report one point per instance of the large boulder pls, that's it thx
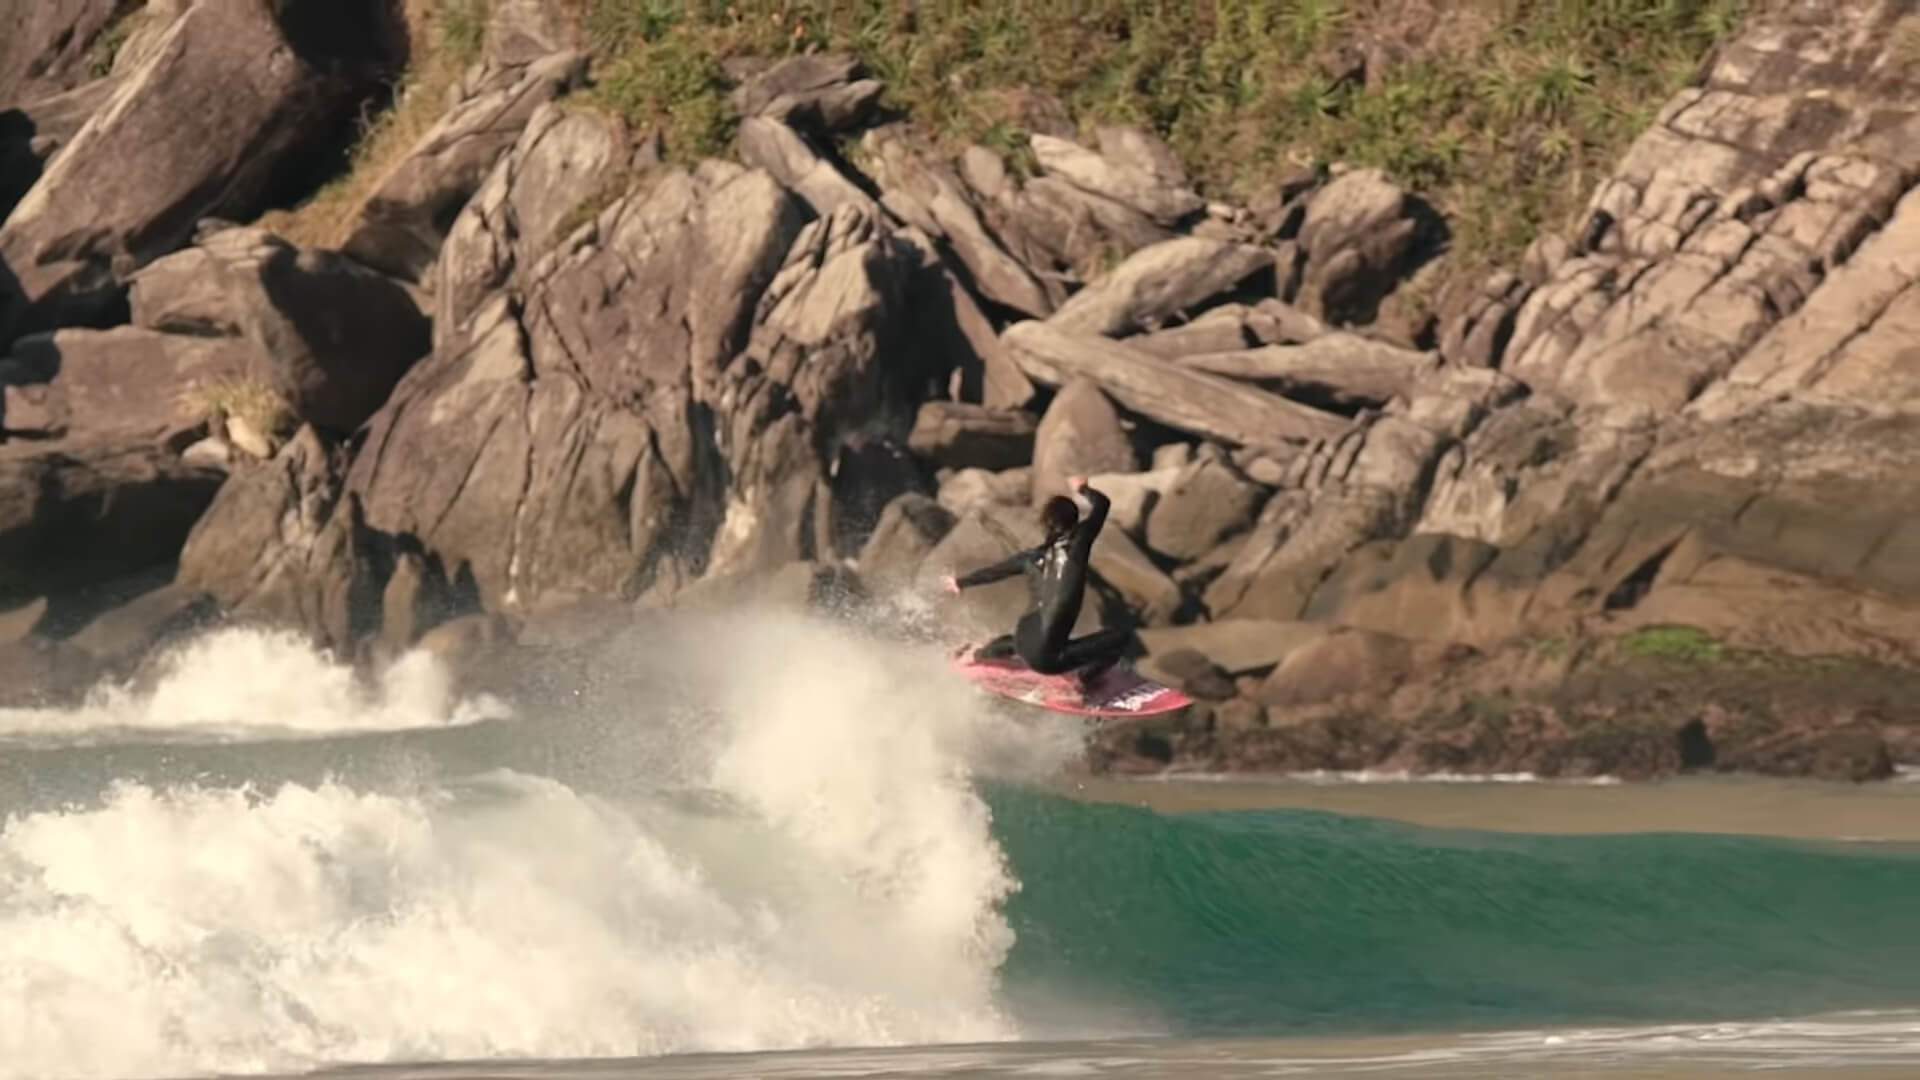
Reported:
(227, 112)
(674, 391)
(75, 517)
(1131, 167)
(1079, 435)
(284, 544)
(126, 385)
(1158, 283)
(327, 337)
(958, 435)
(1359, 237)
(562, 162)
(1209, 502)
(907, 533)
(399, 225)
(1734, 209)
(929, 194)
(45, 45)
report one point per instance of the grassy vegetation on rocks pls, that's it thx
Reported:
(1503, 112)
(444, 37)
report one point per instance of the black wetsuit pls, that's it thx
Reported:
(1057, 580)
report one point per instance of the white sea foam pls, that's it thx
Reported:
(240, 684)
(840, 886)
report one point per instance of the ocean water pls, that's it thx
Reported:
(767, 845)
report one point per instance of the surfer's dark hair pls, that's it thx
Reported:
(1059, 516)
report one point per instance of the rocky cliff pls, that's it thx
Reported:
(1644, 502)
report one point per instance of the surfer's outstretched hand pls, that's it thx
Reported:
(1077, 483)
(950, 583)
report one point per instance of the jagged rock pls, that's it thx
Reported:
(285, 544)
(327, 336)
(813, 372)
(1360, 236)
(1527, 465)
(669, 404)
(910, 528)
(958, 435)
(1192, 674)
(74, 517)
(522, 31)
(1850, 344)
(1454, 401)
(1728, 213)
(1144, 190)
(1134, 495)
(1157, 282)
(513, 452)
(412, 602)
(562, 161)
(1204, 506)
(399, 226)
(1340, 368)
(219, 115)
(1475, 330)
(957, 352)
(1064, 234)
(1142, 152)
(810, 92)
(1263, 467)
(45, 46)
(1275, 322)
(1236, 646)
(1341, 663)
(967, 490)
(863, 476)
(783, 153)
(117, 640)
(1417, 588)
(1367, 485)
(1217, 330)
(126, 385)
(1079, 435)
(1188, 400)
(927, 193)
(33, 133)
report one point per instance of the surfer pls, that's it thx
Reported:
(1056, 572)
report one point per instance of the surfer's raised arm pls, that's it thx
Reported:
(987, 575)
(1089, 528)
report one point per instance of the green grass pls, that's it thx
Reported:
(1503, 112)
(1684, 643)
(445, 36)
(110, 40)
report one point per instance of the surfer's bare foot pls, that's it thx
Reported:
(951, 584)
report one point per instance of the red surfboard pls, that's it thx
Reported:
(1121, 691)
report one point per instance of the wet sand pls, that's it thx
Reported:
(1885, 811)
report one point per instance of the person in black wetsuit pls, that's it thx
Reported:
(1056, 572)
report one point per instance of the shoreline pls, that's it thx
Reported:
(1886, 812)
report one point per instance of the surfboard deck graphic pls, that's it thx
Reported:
(1121, 691)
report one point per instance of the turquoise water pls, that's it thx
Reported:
(259, 867)
(1263, 921)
